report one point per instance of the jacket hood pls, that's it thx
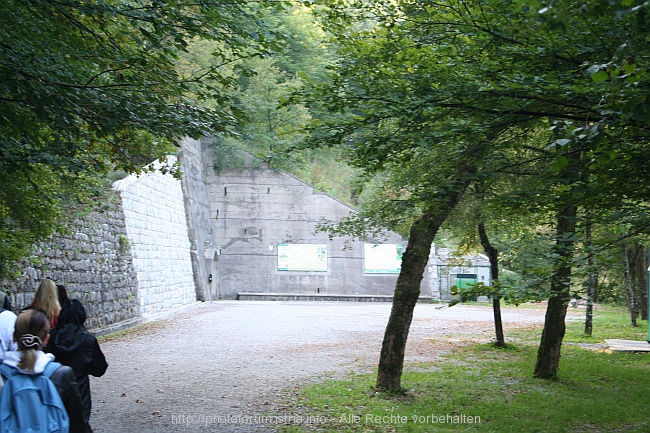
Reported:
(73, 312)
(67, 338)
(12, 358)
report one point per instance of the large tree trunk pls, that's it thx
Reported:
(493, 255)
(548, 354)
(407, 289)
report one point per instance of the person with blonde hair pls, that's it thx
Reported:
(47, 298)
(31, 333)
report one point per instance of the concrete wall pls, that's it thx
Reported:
(255, 209)
(197, 208)
(443, 268)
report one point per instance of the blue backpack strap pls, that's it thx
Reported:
(7, 371)
(50, 368)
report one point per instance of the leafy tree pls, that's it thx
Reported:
(271, 121)
(88, 87)
(384, 85)
(636, 281)
(270, 127)
(421, 81)
(494, 291)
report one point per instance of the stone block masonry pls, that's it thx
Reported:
(126, 260)
(157, 231)
(93, 260)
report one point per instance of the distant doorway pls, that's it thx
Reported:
(212, 268)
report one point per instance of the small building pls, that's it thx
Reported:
(447, 269)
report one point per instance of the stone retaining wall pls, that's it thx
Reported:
(93, 260)
(126, 260)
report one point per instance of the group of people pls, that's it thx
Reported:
(48, 338)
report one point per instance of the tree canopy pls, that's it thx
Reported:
(89, 87)
(556, 93)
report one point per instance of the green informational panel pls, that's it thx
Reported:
(382, 258)
(465, 280)
(302, 257)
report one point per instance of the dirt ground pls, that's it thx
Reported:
(222, 366)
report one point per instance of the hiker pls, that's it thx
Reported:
(4, 299)
(62, 295)
(30, 364)
(72, 345)
(47, 298)
(7, 321)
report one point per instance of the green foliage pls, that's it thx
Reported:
(93, 87)
(228, 157)
(272, 128)
(272, 120)
(327, 172)
(514, 79)
(124, 244)
(513, 295)
(555, 95)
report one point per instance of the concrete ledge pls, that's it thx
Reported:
(164, 314)
(119, 326)
(628, 345)
(146, 318)
(251, 296)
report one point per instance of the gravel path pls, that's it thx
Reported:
(216, 366)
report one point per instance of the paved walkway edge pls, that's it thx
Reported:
(628, 345)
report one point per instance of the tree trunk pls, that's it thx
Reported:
(591, 282)
(548, 354)
(493, 255)
(641, 279)
(407, 289)
(629, 287)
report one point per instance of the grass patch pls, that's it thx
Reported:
(608, 322)
(481, 388)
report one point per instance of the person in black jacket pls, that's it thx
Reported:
(31, 333)
(72, 345)
(6, 302)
